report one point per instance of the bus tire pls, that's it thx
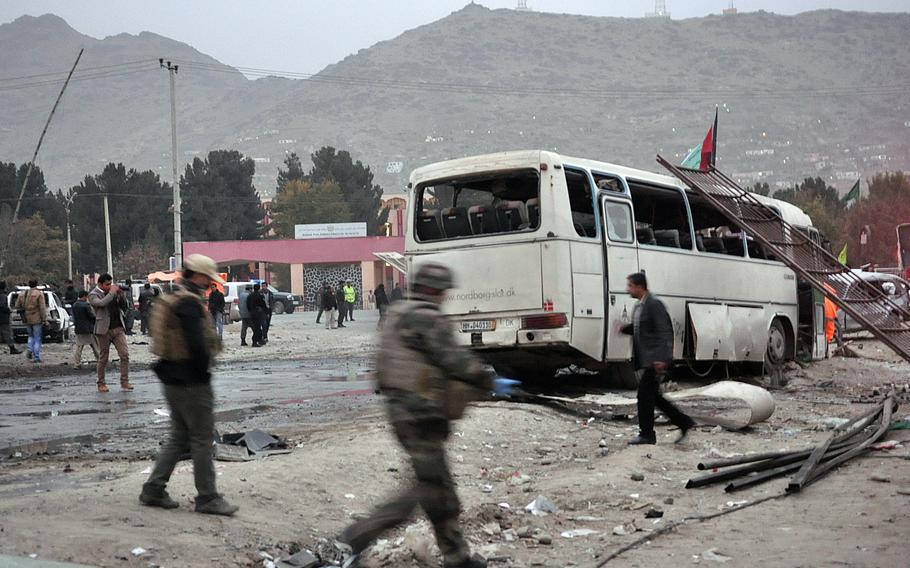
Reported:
(776, 352)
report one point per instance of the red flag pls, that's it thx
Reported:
(709, 146)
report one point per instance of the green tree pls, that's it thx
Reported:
(141, 259)
(886, 205)
(761, 188)
(356, 182)
(823, 205)
(303, 203)
(293, 172)
(38, 252)
(139, 212)
(36, 199)
(219, 200)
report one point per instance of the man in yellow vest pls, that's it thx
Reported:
(186, 343)
(350, 296)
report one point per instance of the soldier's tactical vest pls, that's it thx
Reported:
(168, 341)
(402, 368)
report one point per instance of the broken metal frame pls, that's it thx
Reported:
(861, 300)
(846, 442)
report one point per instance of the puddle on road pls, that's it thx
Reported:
(236, 414)
(53, 444)
(55, 413)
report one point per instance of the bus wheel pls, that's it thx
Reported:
(776, 353)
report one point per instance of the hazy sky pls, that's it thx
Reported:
(257, 34)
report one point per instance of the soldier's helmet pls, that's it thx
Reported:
(434, 276)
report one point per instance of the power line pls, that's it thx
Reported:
(82, 71)
(105, 74)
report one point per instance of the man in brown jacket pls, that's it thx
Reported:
(33, 304)
(109, 304)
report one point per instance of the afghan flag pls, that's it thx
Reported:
(842, 257)
(852, 195)
(704, 155)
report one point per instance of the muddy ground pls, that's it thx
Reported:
(70, 499)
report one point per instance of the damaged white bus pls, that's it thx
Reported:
(541, 245)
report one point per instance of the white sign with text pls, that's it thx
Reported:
(330, 230)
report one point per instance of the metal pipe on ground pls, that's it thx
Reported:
(752, 480)
(818, 472)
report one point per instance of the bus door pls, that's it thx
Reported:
(620, 260)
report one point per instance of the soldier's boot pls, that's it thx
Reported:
(216, 506)
(157, 498)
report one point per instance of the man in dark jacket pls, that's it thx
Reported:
(319, 307)
(382, 303)
(184, 340)
(396, 293)
(69, 293)
(328, 306)
(216, 309)
(84, 324)
(146, 297)
(257, 307)
(652, 348)
(340, 304)
(6, 332)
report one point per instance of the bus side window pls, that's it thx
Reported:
(619, 222)
(661, 217)
(714, 233)
(581, 202)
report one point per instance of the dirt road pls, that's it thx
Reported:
(79, 502)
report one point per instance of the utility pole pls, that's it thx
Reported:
(107, 237)
(178, 235)
(69, 237)
(28, 173)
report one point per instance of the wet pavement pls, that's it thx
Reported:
(66, 414)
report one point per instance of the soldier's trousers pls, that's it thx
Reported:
(433, 490)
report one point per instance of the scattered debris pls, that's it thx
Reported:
(575, 533)
(541, 506)
(138, 551)
(637, 477)
(714, 556)
(888, 445)
(246, 446)
(303, 559)
(162, 412)
(654, 513)
(880, 478)
(848, 440)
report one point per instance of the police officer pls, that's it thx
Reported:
(426, 380)
(186, 343)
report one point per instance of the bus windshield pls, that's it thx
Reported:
(474, 206)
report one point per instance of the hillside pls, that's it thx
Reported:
(800, 95)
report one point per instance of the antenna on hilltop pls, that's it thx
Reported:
(731, 10)
(523, 6)
(660, 10)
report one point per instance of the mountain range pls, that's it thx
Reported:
(821, 93)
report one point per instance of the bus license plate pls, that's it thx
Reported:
(478, 325)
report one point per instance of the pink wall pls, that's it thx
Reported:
(293, 251)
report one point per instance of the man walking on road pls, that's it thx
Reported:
(426, 379)
(396, 293)
(340, 304)
(328, 306)
(146, 297)
(6, 332)
(216, 309)
(245, 321)
(319, 305)
(35, 307)
(382, 303)
(652, 342)
(109, 302)
(84, 324)
(256, 306)
(184, 340)
(350, 297)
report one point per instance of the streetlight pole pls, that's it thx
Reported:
(178, 236)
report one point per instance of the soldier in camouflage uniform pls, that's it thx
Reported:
(427, 380)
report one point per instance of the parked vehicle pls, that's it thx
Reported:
(896, 288)
(282, 302)
(59, 323)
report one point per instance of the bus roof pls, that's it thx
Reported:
(520, 159)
